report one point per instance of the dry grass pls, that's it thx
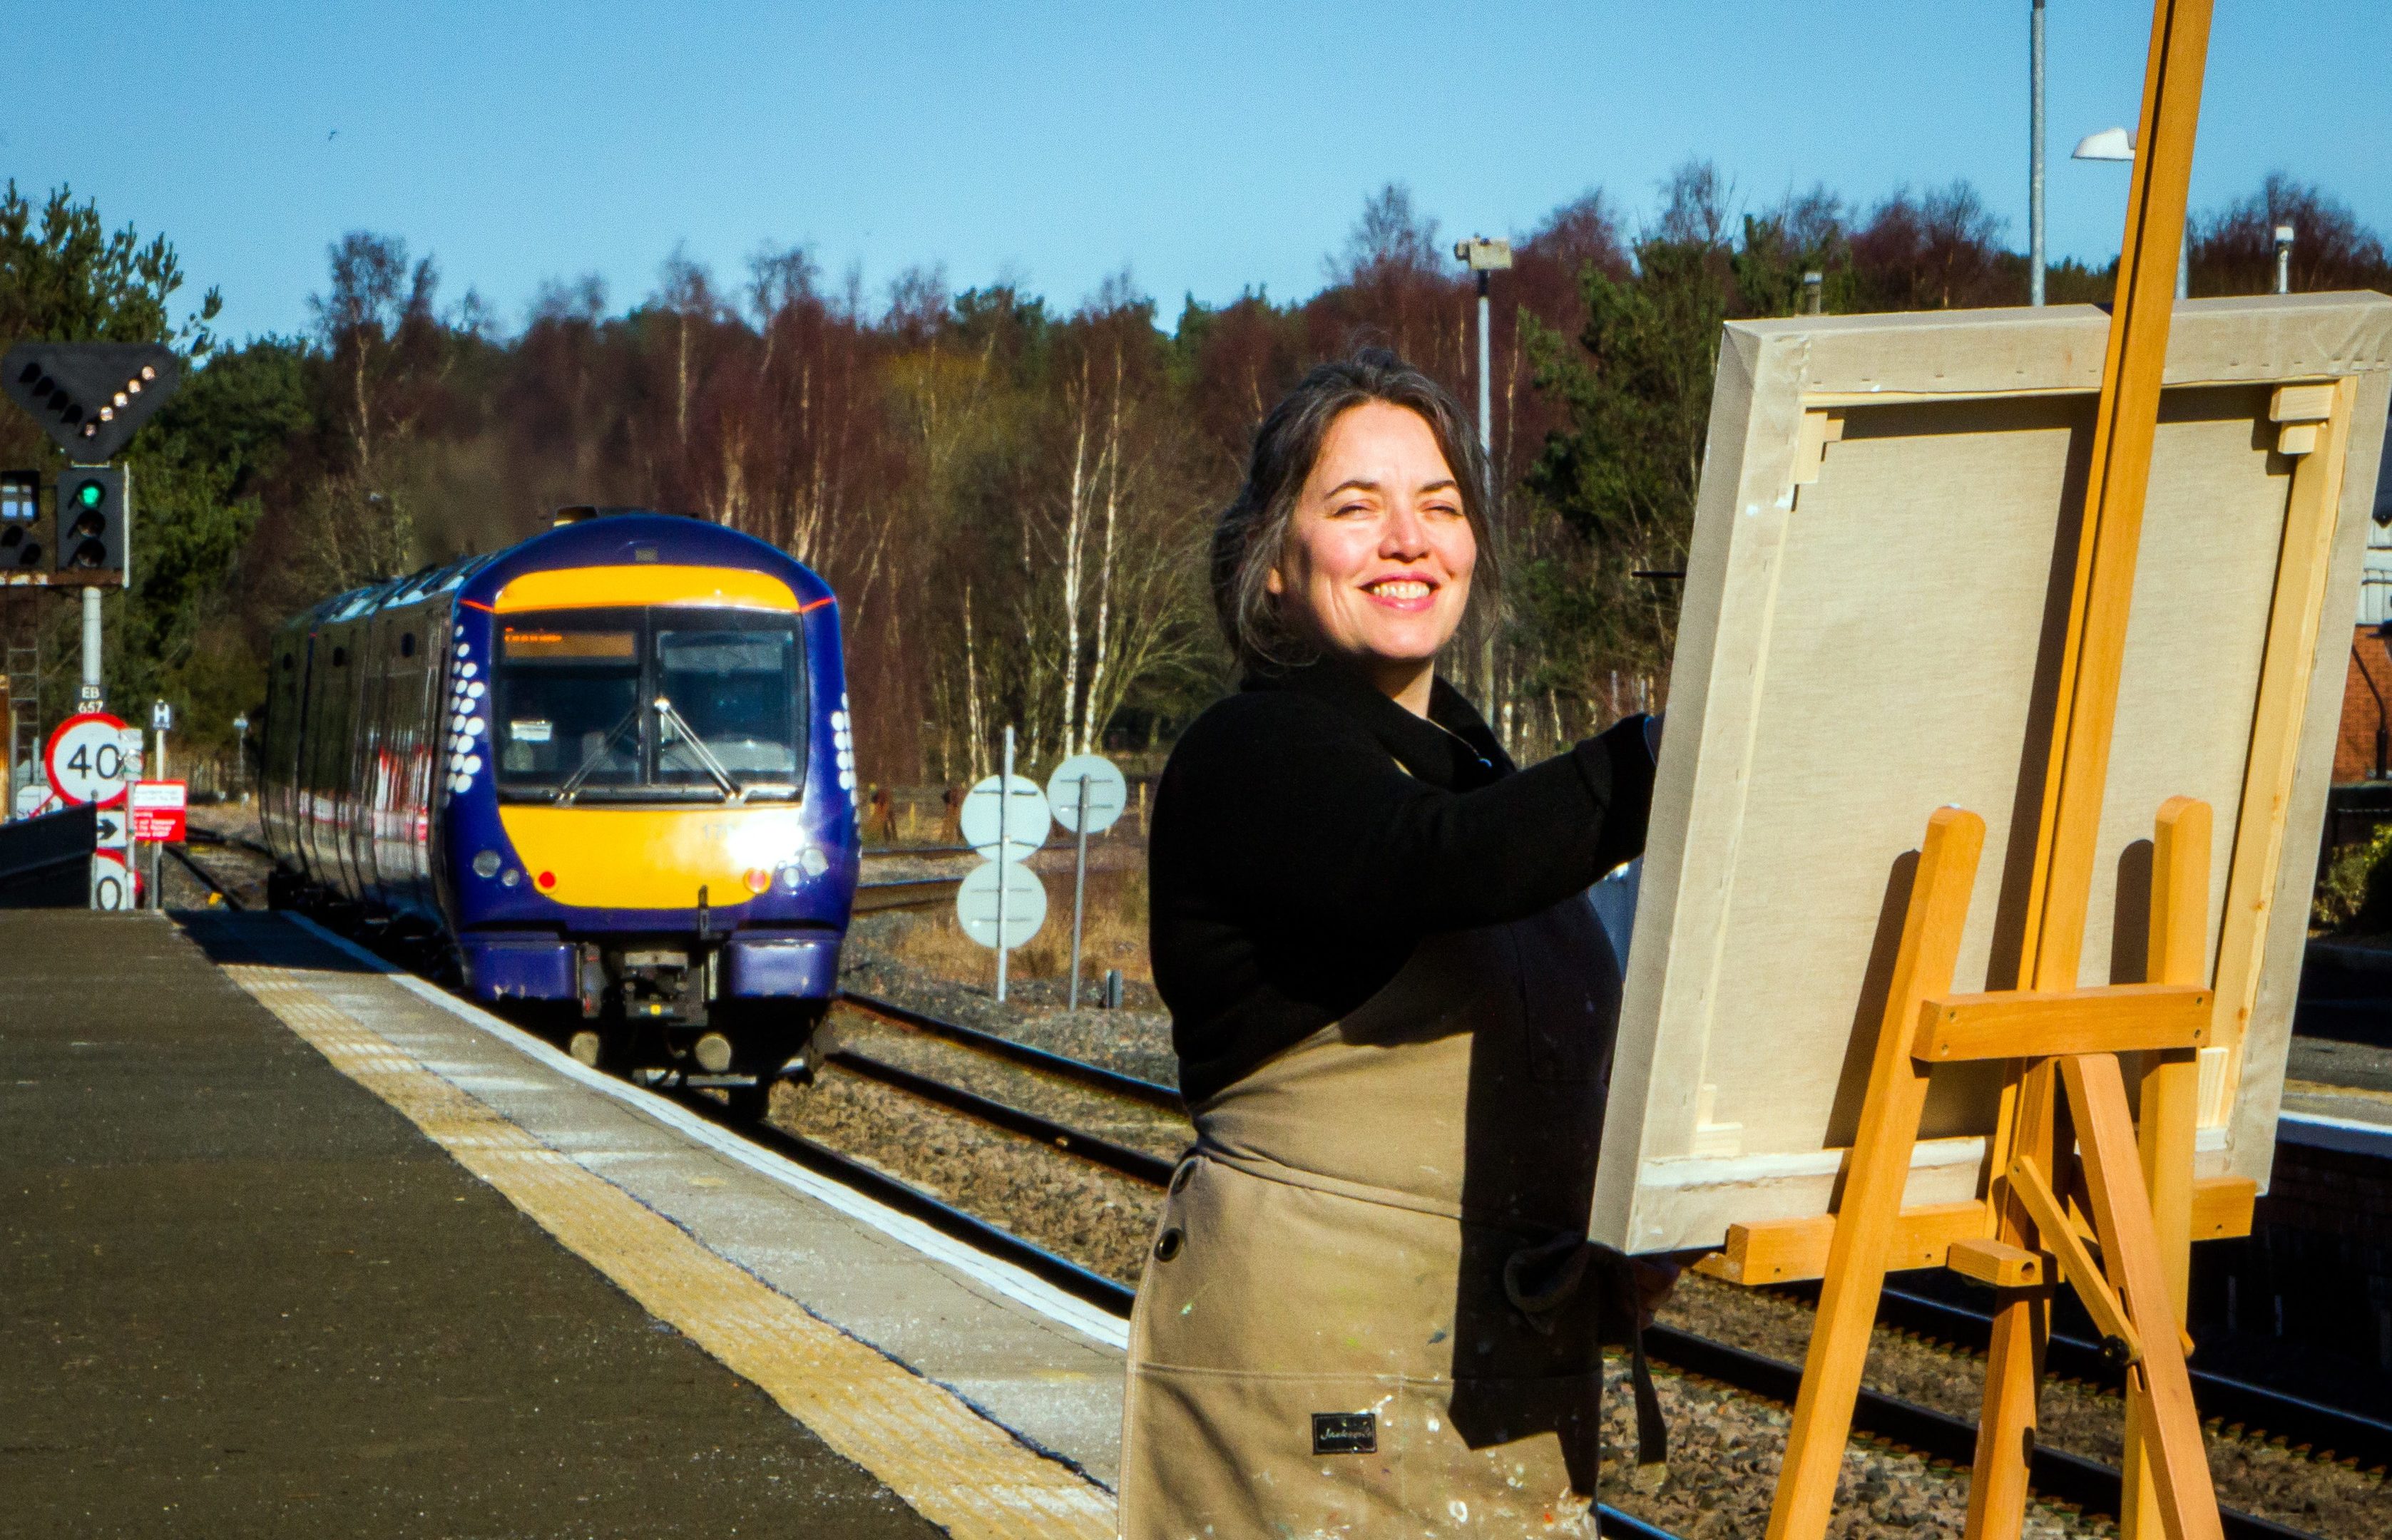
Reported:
(1114, 935)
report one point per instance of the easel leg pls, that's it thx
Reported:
(2170, 1105)
(2005, 1426)
(1875, 1180)
(2168, 1424)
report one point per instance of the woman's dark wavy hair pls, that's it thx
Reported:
(1251, 534)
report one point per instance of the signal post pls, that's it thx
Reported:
(89, 399)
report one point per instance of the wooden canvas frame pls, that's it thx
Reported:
(1831, 438)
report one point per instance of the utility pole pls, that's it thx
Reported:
(2035, 159)
(90, 697)
(1485, 257)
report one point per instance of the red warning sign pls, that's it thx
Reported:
(158, 807)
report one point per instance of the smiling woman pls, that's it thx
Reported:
(1394, 1009)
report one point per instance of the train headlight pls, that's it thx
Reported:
(486, 865)
(813, 861)
(512, 877)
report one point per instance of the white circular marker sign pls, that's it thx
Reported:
(1025, 817)
(87, 759)
(1025, 904)
(1108, 793)
(112, 885)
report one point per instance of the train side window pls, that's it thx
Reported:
(340, 658)
(406, 644)
(289, 662)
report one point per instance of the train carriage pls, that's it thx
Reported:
(609, 769)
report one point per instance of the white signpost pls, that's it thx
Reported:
(1004, 819)
(1017, 818)
(1001, 904)
(1087, 794)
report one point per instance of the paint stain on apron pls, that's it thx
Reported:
(1322, 1345)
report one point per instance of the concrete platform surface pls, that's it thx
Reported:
(299, 1246)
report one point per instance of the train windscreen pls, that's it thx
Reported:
(671, 705)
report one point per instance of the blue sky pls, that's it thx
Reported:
(1206, 147)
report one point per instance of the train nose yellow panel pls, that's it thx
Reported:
(650, 858)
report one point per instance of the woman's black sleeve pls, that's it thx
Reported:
(1309, 823)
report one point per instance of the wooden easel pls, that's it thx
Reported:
(2066, 1150)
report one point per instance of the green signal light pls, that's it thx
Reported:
(90, 494)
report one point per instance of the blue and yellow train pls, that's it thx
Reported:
(608, 768)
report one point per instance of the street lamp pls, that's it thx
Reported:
(240, 756)
(2116, 144)
(2035, 157)
(2283, 259)
(1485, 256)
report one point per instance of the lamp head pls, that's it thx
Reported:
(2111, 144)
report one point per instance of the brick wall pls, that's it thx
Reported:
(2354, 753)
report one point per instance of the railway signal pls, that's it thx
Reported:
(90, 397)
(20, 512)
(93, 508)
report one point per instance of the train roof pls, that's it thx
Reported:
(581, 534)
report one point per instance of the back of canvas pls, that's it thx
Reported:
(1876, 604)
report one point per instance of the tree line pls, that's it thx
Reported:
(1012, 497)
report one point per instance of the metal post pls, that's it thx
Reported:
(1004, 808)
(91, 695)
(1815, 287)
(2184, 261)
(2035, 162)
(2283, 259)
(1486, 372)
(1079, 891)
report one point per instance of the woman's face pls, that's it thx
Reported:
(1379, 551)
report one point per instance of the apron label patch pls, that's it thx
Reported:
(1344, 1432)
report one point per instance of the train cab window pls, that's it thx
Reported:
(732, 701)
(678, 704)
(568, 705)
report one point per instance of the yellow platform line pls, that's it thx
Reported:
(946, 1461)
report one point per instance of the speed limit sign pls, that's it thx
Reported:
(87, 759)
(111, 883)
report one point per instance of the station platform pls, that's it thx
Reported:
(299, 1245)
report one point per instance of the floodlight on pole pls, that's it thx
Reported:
(1485, 256)
(2116, 144)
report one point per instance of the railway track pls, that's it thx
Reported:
(2314, 1430)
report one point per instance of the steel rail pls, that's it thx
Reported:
(215, 885)
(1152, 1092)
(874, 897)
(2331, 1430)
(1153, 1169)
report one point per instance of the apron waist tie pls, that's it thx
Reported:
(1538, 1280)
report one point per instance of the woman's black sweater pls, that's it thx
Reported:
(1308, 830)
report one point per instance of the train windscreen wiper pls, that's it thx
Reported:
(597, 755)
(705, 759)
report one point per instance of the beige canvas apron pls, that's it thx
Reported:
(1322, 1345)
